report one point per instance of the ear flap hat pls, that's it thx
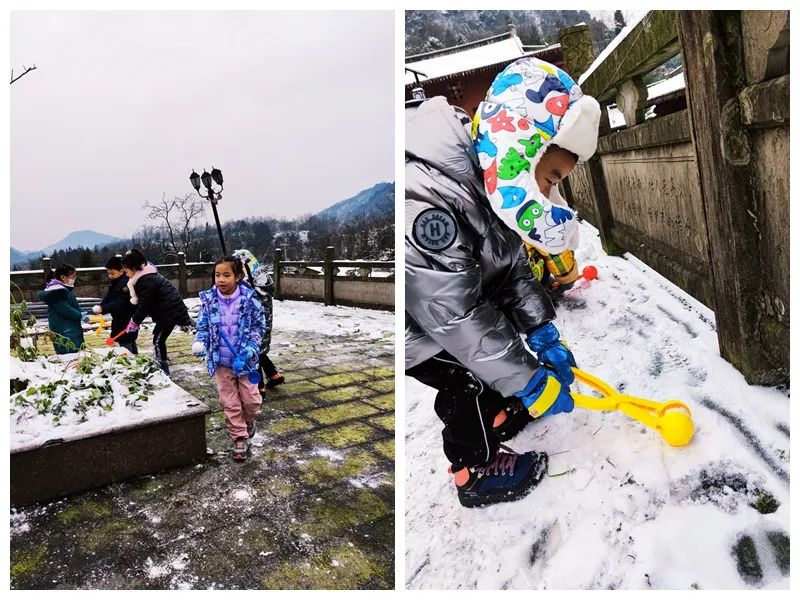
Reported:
(531, 105)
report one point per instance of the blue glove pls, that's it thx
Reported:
(246, 355)
(545, 395)
(552, 352)
(84, 316)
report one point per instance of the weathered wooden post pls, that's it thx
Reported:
(277, 259)
(330, 275)
(715, 73)
(183, 286)
(46, 268)
(578, 50)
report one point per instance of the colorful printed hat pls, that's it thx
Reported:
(531, 105)
(249, 259)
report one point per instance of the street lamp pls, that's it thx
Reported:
(214, 197)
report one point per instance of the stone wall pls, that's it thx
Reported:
(648, 192)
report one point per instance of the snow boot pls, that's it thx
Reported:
(241, 449)
(275, 380)
(165, 367)
(251, 429)
(507, 477)
(511, 420)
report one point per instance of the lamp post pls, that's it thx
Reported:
(208, 180)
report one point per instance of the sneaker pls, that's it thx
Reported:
(511, 420)
(241, 449)
(274, 380)
(509, 476)
(251, 429)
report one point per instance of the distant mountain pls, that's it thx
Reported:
(18, 257)
(81, 239)
(76, 239)
(376, 202)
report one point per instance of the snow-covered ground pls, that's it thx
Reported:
(621, 508)
(296, 315)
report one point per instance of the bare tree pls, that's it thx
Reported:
(25, 72)
(177, 219)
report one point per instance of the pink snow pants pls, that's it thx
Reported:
(240, 400)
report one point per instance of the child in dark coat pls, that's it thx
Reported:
(155, 297)
(64, 314)
(117, 303)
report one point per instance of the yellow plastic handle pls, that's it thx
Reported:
(672, 419)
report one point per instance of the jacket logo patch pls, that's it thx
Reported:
(434, 230)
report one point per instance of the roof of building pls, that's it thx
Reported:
(483, 55)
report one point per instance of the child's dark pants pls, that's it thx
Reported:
(267, 367)
(160, 334)
(465, 405)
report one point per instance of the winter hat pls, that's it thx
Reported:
(249, 259)
(531, 105)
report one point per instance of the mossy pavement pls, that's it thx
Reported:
(313, 507)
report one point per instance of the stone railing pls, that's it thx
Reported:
(369, 284)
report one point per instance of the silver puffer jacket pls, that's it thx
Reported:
(476, 296)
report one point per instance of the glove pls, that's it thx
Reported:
(132, 326)
(249, 353)
(556, 289)
(545, 395)
(199, 349)
(84, 316)
(552, 352)
(97, 309)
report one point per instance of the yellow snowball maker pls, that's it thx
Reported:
(102, 323)
(672, 419)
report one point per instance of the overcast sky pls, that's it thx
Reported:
(296, 108)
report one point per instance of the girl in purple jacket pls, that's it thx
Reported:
(230, 326)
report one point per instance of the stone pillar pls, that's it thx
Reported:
(577, 48)
(276, 268)
(632, 101)
(183, 286)
(46, 268)
(330, 275)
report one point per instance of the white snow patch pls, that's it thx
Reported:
(327, 453)
(181, 562)
(154, 570)
(242, 495)
(633, 22)
(19, 522)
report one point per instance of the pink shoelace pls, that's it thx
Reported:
(503, 461)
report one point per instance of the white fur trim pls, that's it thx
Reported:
(578, 130)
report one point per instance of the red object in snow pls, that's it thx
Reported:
(589, 273)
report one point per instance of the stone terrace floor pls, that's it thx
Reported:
(312, 508)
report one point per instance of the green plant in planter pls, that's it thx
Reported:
(91, 386)
(22, 344)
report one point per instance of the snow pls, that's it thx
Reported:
(296, 315)
(30, 429)
(629, 511)
(507, 49)
(633, 21)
